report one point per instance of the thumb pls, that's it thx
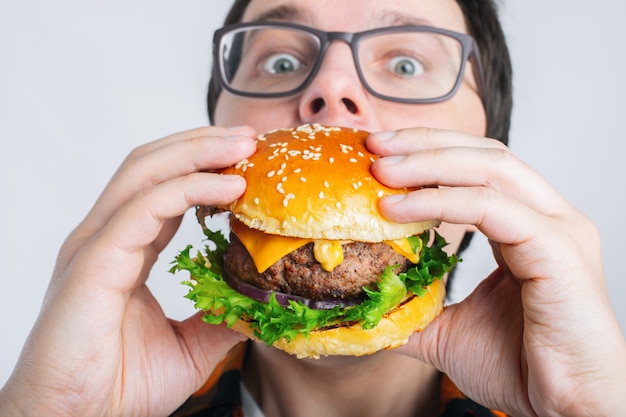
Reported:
(478, 342)
(206, 344)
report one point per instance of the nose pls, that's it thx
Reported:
(336, 95)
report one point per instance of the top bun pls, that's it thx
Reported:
(315, 182)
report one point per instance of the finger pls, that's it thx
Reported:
(205, 131)
(406, 141)
(490, 211)
(125, 242)
(180, 154)
(171, 157)
(526, 238)
(169, 161)
(495, 168)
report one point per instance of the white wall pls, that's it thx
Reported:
(83, 82)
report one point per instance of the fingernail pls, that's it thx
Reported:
(234, 138)
(231, 177)
(385, 135)
(396, 198)
(238, 127)
(392, 160)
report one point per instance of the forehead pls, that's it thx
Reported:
(358, 15)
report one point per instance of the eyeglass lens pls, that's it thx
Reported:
(406, 65)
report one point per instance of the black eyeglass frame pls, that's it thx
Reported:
(469, 52)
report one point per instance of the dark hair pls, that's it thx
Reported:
(481, 17)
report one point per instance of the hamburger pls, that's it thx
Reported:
(311, 266)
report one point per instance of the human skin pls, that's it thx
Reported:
(537, 337)
(102, 346)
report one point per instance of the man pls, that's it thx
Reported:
(533, 339)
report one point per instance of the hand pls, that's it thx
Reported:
(102, 345)
(538, 336)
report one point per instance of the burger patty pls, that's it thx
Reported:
(298, 273)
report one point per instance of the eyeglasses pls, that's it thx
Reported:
(409, 64)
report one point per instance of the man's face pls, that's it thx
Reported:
(336, 95)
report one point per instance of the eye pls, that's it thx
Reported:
(282, 64)
(405, 66)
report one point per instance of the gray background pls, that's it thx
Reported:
(84, 82)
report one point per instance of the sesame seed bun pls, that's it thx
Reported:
(315, 182)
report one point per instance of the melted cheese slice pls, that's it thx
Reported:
(403, 247)
(266, 249)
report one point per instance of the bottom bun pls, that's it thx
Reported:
(393, 330)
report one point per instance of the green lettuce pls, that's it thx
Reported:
(271, 321)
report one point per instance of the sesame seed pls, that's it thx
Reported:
(256, 201)
(283, 179)
(353, 160)
(270, 174)
(380, 194)
(241, 163)
(302, 179)
(321, 194)
(326, 184)
(331, 160)
(346, 148)
(297, 170)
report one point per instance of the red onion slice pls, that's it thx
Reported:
(283, 299)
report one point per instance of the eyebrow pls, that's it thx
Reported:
(285, 12)
(398, 18)
(385, 18)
